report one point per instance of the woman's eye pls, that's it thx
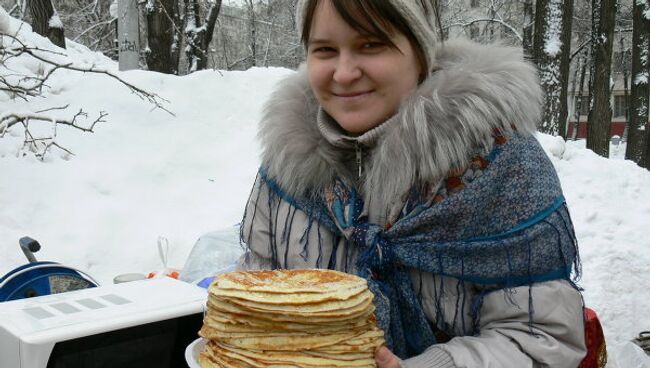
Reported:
(373, 45)
(323, 49)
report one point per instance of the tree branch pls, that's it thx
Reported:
(487, 20)
(152, 98)
(41, 146)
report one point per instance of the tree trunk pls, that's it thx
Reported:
(645, 161)
(626, 90)
(565, 66)
(574, 90)
(199, 37)
(638, 130)
(600, 115)
(46, 22)
(192, 22)
(160, 36)
(527, 42)
(210, 22)
(178, 36)
(583, 71)
(551, 51)
(253, 30)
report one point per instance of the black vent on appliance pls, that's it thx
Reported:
(158, 344)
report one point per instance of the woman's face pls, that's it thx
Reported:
(358, 80)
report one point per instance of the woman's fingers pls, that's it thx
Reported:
(386, 359)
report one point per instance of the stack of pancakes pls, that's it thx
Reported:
(290, 318)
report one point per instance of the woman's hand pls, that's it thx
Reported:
(386, 359)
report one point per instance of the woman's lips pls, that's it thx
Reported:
(351, 96)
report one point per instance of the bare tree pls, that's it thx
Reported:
(645, 162)
(638, 125)
(199, 36)
(485, 20)
(90, 23)
(624, 52)
(529, 22)
(46, 21)
(578, 91)
(600, 115)
(162, 37)
(253, 32)
(18, 9)
(551, 50)
(275, 24)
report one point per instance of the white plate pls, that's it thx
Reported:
(192, 352)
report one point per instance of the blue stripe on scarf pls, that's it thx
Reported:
(539, 217)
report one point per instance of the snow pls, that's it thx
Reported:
(646, 11)
(610, 208)
(553, 44)
(150, 6)
(55, 21)
(146, 174)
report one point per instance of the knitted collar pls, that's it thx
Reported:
(338, 137)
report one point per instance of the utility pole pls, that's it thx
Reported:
(128, 34)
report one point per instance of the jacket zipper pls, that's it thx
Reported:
(359, 159)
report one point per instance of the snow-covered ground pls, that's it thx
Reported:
(146, 174)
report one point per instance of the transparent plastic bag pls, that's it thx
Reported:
(214, 253)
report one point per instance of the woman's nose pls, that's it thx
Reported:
(347, 70)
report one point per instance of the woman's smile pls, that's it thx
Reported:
(352, 94)
(353, 97)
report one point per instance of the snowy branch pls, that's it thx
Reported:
(41, 146)
(17, 81)
(487, 20)
(35, 89)
(108, 21)
(588, 42)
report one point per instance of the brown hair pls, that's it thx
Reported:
(378, 18)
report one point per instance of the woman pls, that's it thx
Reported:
(413, 164)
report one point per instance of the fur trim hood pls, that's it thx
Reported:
(448, 118)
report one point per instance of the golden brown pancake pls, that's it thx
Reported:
(289, 319)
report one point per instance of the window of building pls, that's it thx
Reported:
(620, 106)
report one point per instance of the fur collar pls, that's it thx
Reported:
(450, 116)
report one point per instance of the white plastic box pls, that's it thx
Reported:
(140, 324)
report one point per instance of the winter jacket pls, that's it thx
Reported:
(474, 90)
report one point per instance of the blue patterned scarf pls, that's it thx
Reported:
(500, 222)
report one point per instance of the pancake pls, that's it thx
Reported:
(303, 281)
(234, 309)
(289, 318)
(363, 297)
(228, 324)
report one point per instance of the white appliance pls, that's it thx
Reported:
(141, 324)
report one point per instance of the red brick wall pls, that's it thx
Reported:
(617, 129)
